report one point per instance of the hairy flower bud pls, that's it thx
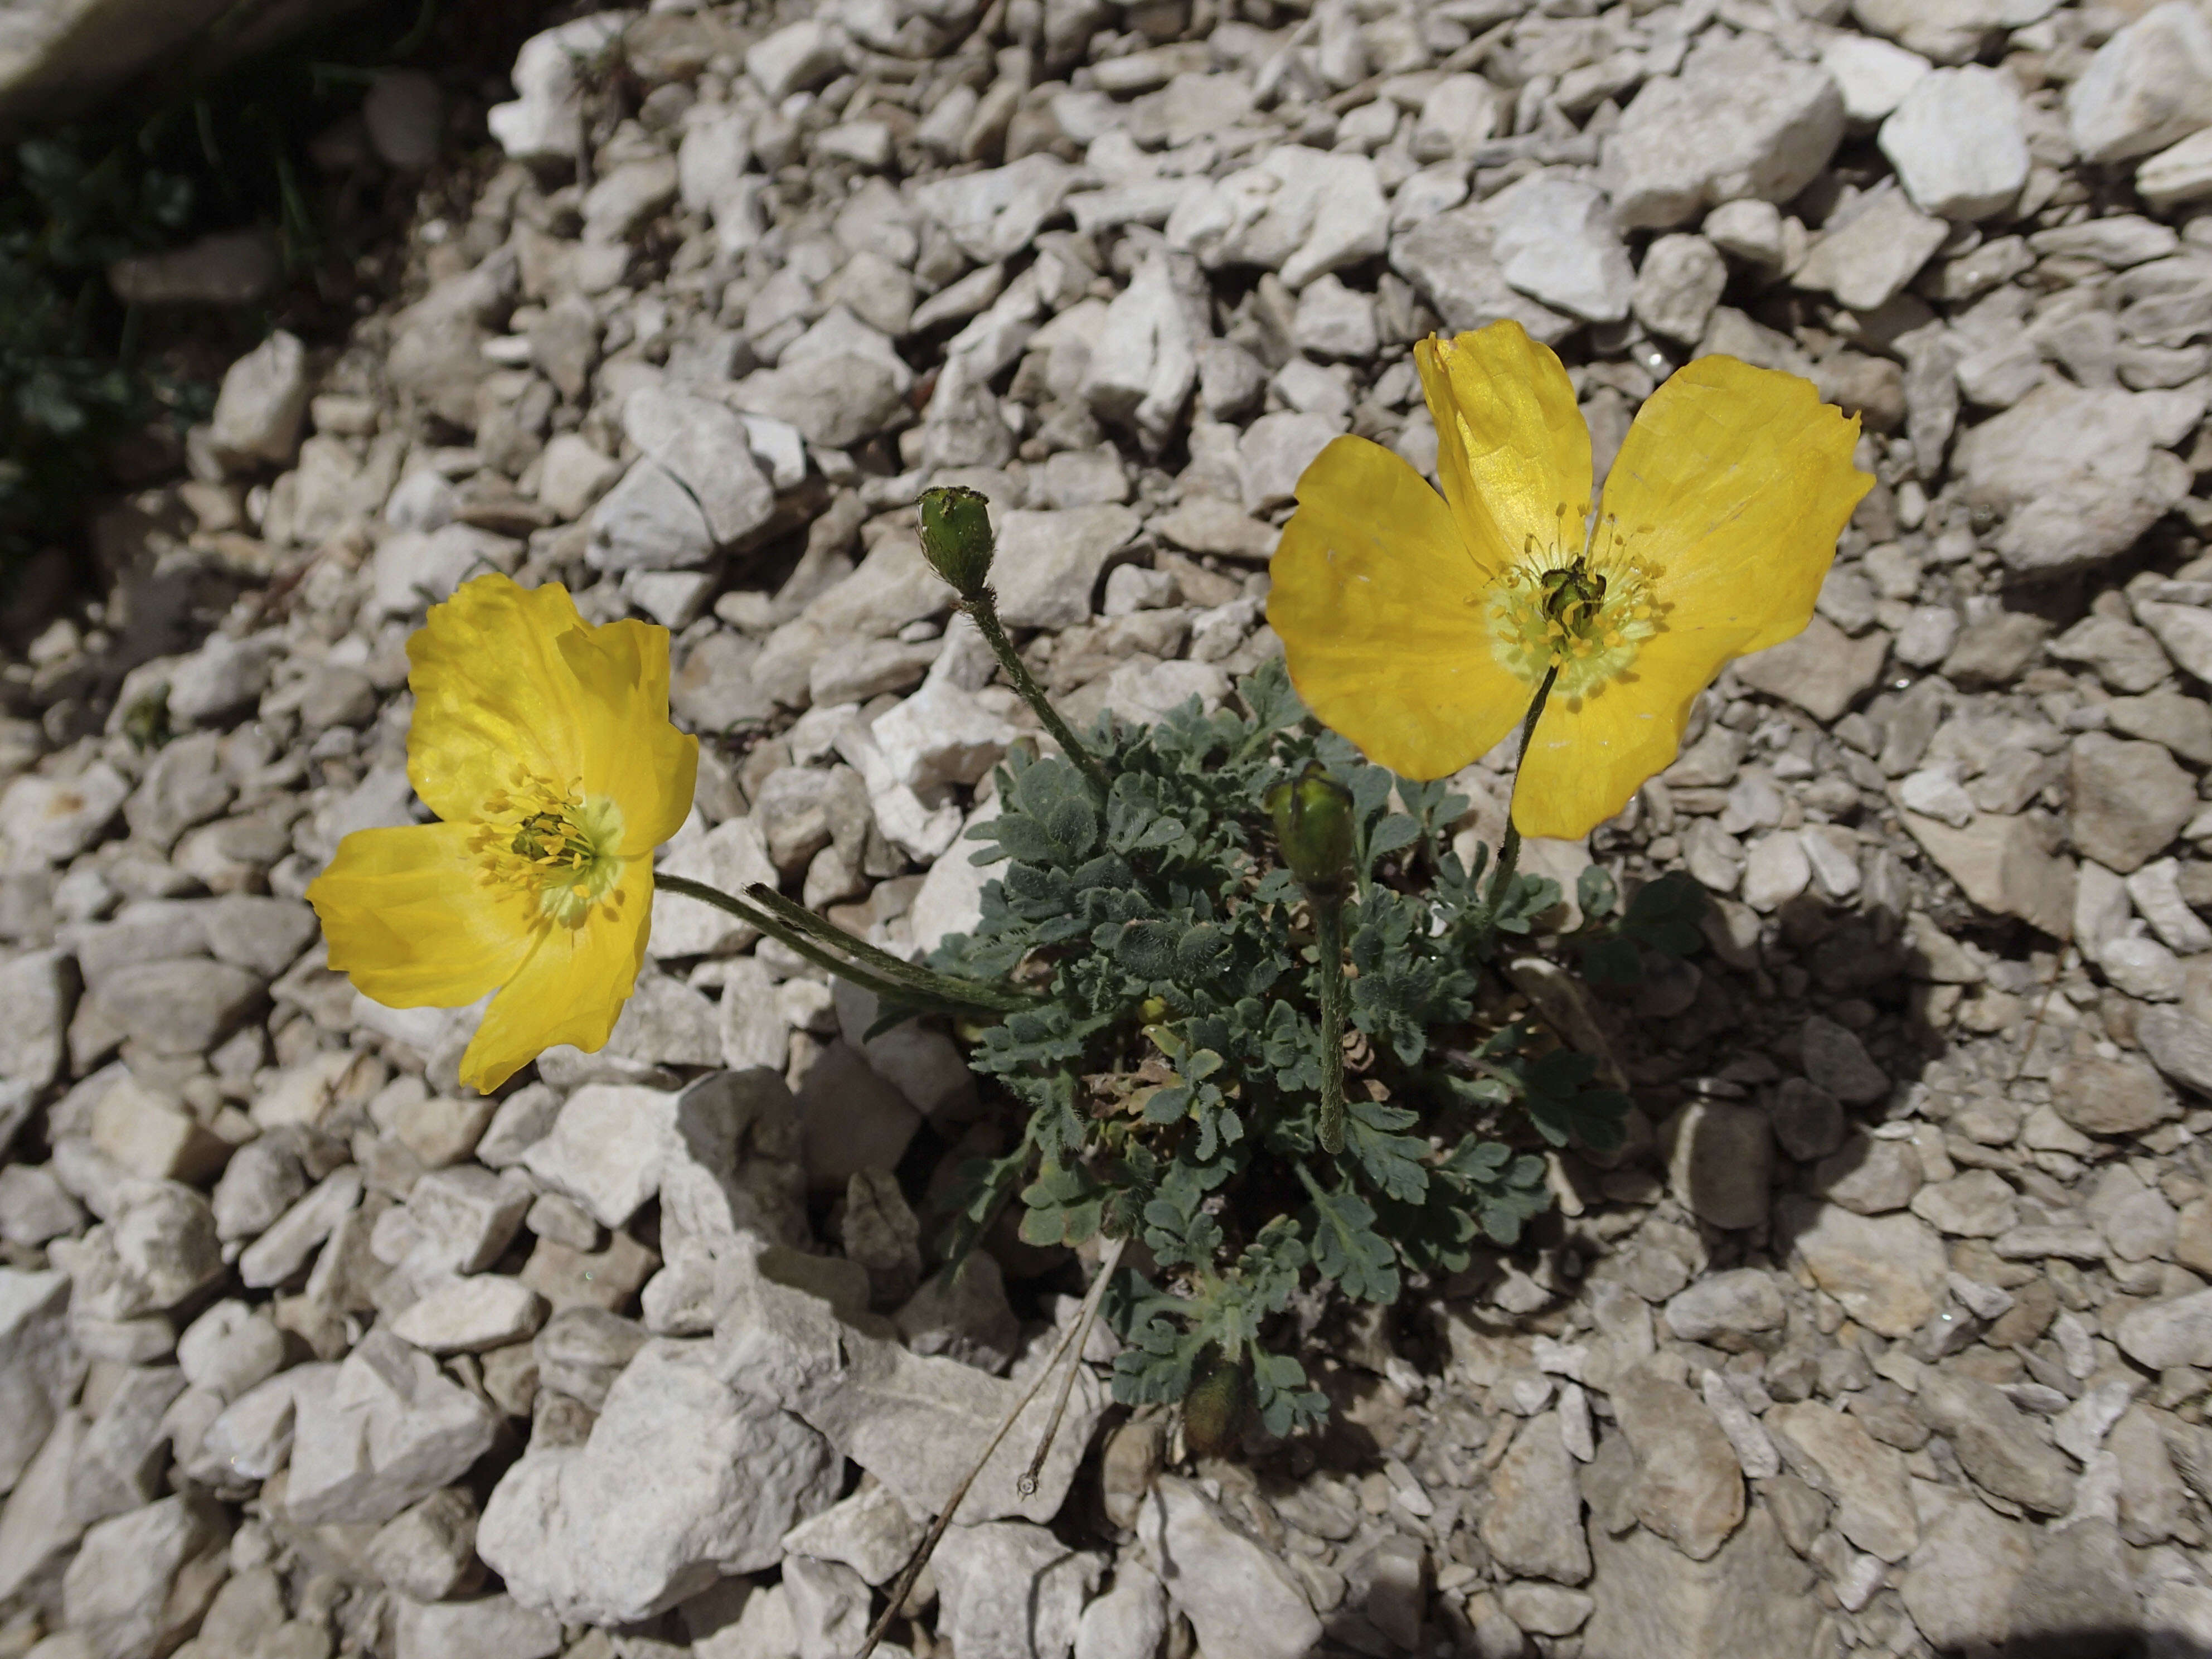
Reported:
(956, 539)
(1313, 826)
(1220, 1400)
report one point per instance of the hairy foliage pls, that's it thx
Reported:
(1173, 1079)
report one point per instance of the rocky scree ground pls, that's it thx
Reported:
(1889, 1334)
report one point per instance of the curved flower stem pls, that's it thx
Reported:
(910, 985)
(984, 608)
(966, 992)
(1508, 844)
(1328, 943)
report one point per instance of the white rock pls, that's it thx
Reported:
(1300, 212)
(1874, 75)
(414, 571)
(1049, 563)
(796, 57)
(730, 857)
(486, 1627)
(706, 448)
(1555, 240)
(1958, 142)
(1012, 1590)
(995, 214)
(731, 1176)
(1239, 1597)
(1866, 261)
(605, 1148)
(650, 521)
(141, 1580)
(1144, 360)
(916, 1424)
(952, 897)
(1739, 120)
(390, 1430)
(1677, 287)
(263, 401)
(46, 820)
(545, 122)
(39, 1365)
(2179, 174)
(683, 1480)
(942, 735)
(2147, 87)
(1460, 112)
(468, 1315)
(870, 1531)
(252, 1437)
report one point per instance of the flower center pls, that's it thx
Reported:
(1584, 613)
(552, 846)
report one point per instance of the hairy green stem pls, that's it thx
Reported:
(1329, 942)
(913, 986)
(1508, 844)
(985, 610)
(883, 963)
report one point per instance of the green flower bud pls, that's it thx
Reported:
(1220, 1400)
(1313, 826)
(956, 539)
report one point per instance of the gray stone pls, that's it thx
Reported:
(1752, 1599)
(2180, 1046)
(1958, 143)
(1977, 1204)
(1867, 1480)
(583, 1351)
(2079, 1596)
(413, 570)
(1887, 1271)
(2001, 1447)
(574, 1530)
(1737, 1302)
(487, 1627)
(36, 1536)
(389, 1430)
(1129, 1621)
(46, 820)
(263, 401)
(40, 1365)
(1555, 240)
(1242, 1601)
(1049, 563)
(1959, 1581)
(2002, 863)
(1532, 1523)
(1678, 285)
(1012, 1590)
(605, 1148)
(1868, 1176)
(1452, 259)
(1720, 1161)
(2081, 474)
(853, 1119)
(1688, 1487)
(1823, 670)
(916, 1424)
(1144, 359)
(119, 1460)
(1867, 260)
(650, 521)
(1874, 75)
(159, 1251)
(2129, 800)
(1740, 120)
(1836, 1061)
(2176, 1332)
(544, 124)
(470, 1315)
(732, 1165)
(427, 1552)
(38, 988)
(702, 445)
(141, 1580)
(870, 1531)
(2148, 85)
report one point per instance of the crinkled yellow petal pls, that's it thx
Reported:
(1379, 604)
(571, 990)
(1733, 485)
(493, 691)
(1513, 452)
(1589, 755)
(407, 921)
(632, 755)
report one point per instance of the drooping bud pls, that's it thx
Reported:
(1313, 826)
(1219, 1399)
(956, 539)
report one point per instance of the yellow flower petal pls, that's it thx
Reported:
(407, 921)
(1379, 604)
(572, 988)
(1512, 449)
(632, 755)
(493, 691)
(1590, 755)
(1734, 484)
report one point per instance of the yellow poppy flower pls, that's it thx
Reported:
(1420, 627)
(544, 745)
